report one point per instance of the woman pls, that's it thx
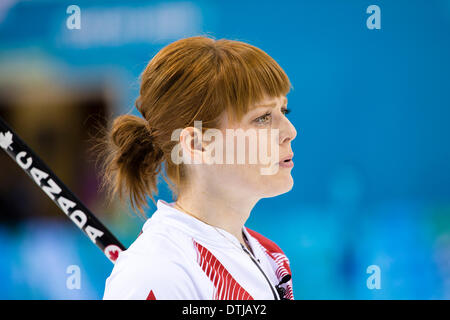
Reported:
(197, 247)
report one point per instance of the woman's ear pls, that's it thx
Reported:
(191, 144)
(197, 141)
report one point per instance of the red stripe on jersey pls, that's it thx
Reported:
(266, 243)
(151, 296)
(272, 249)
(226, 287)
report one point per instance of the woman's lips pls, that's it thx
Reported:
(286, 164)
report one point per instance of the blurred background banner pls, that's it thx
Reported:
(369, 214)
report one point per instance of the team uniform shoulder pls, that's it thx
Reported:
(268, 244)
(280, 264)
(154, 267)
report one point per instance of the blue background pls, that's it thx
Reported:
(372, 157)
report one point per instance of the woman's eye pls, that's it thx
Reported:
(266, 118)
(263, 119)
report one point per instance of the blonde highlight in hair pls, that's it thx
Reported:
(192, 79)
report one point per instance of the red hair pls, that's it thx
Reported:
(191, 79)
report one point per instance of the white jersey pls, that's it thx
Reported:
(177, 256)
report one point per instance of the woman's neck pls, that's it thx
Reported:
(218, 211)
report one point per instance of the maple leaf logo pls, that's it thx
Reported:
(113, 255)
(112, 252)
(6, 140)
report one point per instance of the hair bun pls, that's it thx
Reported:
(132, 137)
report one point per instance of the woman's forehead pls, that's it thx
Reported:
(270, 102)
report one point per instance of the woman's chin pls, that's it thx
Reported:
(278, 185)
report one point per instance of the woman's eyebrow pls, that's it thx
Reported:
(254, 111)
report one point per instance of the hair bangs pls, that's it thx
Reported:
(247, 75)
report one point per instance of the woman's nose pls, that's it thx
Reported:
(287, 131)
